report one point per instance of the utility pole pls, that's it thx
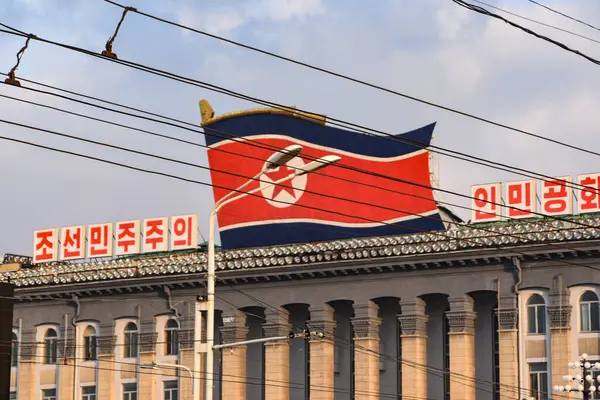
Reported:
(583, 382)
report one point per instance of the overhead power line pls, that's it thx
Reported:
(537, 22)
(559, 246)
(355, 80)
(219, 133)
(564, 15)
(488, 13)
(483, 229)
(470, 158)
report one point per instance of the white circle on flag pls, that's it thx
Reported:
(287, 193)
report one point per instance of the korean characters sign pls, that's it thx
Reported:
(119, 238)
(522, 199)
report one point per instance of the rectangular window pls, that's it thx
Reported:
(171, 390)
(538, 381)
(172, 342)
(131, 344)
(585, 317)
(51, 351)
(531, 320)
(88, 393)
(90, 348)
(130, 391)
(594, 317)
(49, 394)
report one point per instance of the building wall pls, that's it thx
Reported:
(392, 314)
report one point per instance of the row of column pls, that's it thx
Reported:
(413, 320)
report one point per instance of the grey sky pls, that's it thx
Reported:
(431, 49)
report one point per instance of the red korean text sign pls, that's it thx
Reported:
(557, 196)
(184, 232)
(72, 242)
(485, 202)
(45, 245)
(520, 199)
(589, 198)
(127, 237)
(155, 235)
(100, 240)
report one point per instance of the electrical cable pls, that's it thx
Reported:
(537, 22)
(563, 46)
(559, 246)
(564, 15)
(354, 80)
(413, 364)
(218, 377)
(568, 184)
(388, 136)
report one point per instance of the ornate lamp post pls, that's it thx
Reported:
(582, 382)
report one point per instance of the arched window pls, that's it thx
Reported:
(590, 313)
(14, 356)
(131, 340)
(536, 315)
(51, 346)
(172, 337)
(90, 343)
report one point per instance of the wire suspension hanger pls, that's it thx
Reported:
(108, 49)
(11, 80)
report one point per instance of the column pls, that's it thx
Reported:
(559, 316)
(186, 358)
(413, 322)
(147, 377)
(106, 365)
(65, 369)
(321, 353)
(28, 369)
(277, 355)
(234, 358)
(366, 351)
(461, 321)
(507, 314)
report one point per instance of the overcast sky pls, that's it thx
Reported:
(432, 49)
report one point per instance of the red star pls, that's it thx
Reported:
(278, 174)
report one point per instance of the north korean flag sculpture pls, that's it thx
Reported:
(381, 185)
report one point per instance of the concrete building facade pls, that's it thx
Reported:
(488, 312)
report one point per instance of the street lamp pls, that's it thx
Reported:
(156, 365)
(584, 382)
(275, 161)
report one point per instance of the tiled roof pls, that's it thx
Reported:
(464, 237)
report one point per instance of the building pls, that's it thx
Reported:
(433, 315)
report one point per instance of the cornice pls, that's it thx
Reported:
(455, 247)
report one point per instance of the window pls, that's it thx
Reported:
(446, 327)
(51, 347)
(536, 315)
(130, 391)
(90, 343)
(14, 353)
(49, 394)
(172, 333)
(590, 313)
(171, 390)
(88, 392)
(131, 340)
(496, 346)
(538, 381)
